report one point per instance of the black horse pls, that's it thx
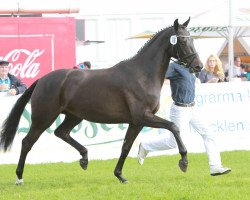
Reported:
(129, 93)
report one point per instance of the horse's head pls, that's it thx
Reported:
(183, 47)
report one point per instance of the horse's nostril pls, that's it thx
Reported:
(197, 68)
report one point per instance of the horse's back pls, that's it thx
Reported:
(95, 95)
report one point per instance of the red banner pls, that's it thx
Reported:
(36, 46)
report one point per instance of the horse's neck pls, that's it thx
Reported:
(153, 62)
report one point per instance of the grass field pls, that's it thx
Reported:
(158, 178)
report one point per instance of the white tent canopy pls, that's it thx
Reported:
(220, 14)
(219, 31)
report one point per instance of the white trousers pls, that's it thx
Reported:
(183, 117)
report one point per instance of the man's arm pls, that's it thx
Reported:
(17, 84)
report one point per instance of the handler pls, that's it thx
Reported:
(182, 113)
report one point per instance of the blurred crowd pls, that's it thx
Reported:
(213, 71)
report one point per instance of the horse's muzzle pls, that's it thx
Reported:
(195, 69)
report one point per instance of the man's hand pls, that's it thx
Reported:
(213, 80)
(4, 87)
(12, 92)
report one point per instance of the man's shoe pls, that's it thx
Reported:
(219, 171)
(142, 153)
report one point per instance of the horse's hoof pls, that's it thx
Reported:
(124, 182)
(183, 165)
(19, 182)
(84, 163)
(122, 179)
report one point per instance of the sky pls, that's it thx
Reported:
(145, 6)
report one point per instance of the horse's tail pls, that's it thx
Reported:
(10, 125)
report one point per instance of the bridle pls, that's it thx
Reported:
(182, 61)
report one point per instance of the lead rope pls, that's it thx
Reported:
(180, 63)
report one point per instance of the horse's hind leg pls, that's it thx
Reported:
(27, 144)
(131, 134)
(63, 132)
(38, 126)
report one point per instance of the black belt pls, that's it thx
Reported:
(184, 104)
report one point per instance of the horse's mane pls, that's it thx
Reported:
(156, 35)
(149, 42)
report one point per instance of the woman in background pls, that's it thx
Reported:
(213, 71)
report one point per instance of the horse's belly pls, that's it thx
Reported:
(100, 113)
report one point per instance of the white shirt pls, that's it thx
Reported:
(237, 71)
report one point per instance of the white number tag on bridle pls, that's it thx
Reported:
(173, 39)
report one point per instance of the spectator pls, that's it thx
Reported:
(237, 67)
(213, 71)
(8, 82)
(87, 65)
(183, 113)
(248, 72)
(243, 74)
(84, 65)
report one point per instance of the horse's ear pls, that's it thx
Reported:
(176, 25)
(186, 23)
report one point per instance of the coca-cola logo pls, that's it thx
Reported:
(29, 68)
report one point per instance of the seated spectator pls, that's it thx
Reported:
(8, 82)
(213, 71)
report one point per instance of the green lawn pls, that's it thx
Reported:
(158, 178)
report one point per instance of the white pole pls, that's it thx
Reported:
(231, 41)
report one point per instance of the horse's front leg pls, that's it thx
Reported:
(154, 121)
(131, 134)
